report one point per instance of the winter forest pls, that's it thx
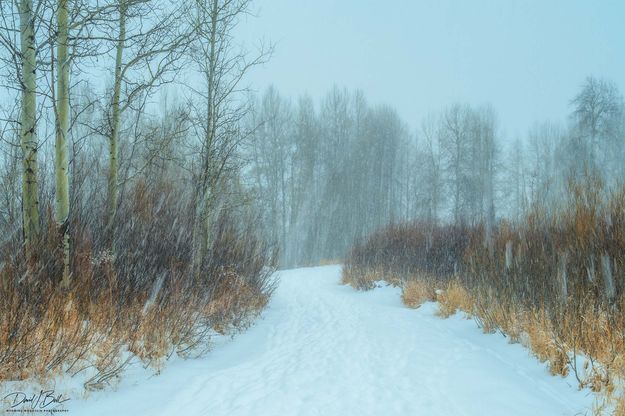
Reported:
(163, 213)
(330, 173)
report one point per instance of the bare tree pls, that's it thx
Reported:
(597, 109)
(222, 66)
(486, 142)
(428, 164)
(456, 145)
(544, 186)
(149, 49)
(61, 164)
(28, 120)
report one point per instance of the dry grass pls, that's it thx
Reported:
(69, 339)
(143, 303)
(592, 332)
(365, 279)
(544, 342)
(415, 292)
(602, 343)
(619, 407)
(556, 285)
(329, 262)
(349, 276)
(454, 298)
(532, 328)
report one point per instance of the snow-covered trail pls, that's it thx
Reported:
(325, 349)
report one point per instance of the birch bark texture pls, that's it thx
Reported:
(61, 163)
(28, 125)
(116, 119)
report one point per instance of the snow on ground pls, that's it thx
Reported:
(325, 349)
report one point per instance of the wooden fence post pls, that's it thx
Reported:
(564, 289)
(608, 279)
(508, 255)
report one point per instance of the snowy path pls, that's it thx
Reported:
(324, 349)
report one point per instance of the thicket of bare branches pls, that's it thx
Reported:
(329, 173)
(100, 251)
(555, 283)
(548, 270)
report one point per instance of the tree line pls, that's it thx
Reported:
(327, 174)
(135, 89)
(549, 273)
(98, 77)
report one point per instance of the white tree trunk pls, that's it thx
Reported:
(28, 126)
(116, 122)
(610, 290)
(61, 165)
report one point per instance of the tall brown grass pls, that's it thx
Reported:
(143, 298)
(415, 292)
(553, 282)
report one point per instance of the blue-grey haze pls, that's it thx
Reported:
(525, 57)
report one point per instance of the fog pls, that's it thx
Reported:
(160, 160)
(526, 58)
(318, 122)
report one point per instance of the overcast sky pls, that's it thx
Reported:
(526, 58)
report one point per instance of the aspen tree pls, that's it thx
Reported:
(28, 125)
(61, 165)
(149, 48)
(223, 67)
(116, 118)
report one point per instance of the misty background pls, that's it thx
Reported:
(525, 57)
(323, 121)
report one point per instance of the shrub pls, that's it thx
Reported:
(555, 283)
(415, 292)
(142, 297)
(454, 298)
